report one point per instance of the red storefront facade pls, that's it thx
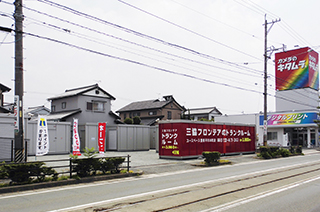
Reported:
(182, 139)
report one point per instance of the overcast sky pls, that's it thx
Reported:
(205, 53)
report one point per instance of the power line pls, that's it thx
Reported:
(137, 62)
(95, 41)
(221, 22)
(141, 34)
(250, 70)
(188, 30)
(154, 67)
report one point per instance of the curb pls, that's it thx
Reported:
(18, 188)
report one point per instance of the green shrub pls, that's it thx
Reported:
(268, 152)
(90, 165)
(128, 121)
(292, 150)
(106, 165)
(3, 172)
(284, 152)
(86, 166)
(136, 120)
(299, 149)
(211, 157)
(263, 149)
(273, 149)
(25, 172)
(295, 149)
(266, 155)
(117, 162)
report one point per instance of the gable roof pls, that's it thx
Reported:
(205, 110)
(58, 116)
(79, 91)
(37, 110)
(149, 104)
(4, 88)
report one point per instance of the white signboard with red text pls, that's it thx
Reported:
(102, 136)
(75, 139)
(16, 113)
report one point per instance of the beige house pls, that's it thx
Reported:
(150, 111)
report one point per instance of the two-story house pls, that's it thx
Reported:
(203, 113)
(89, 104)
(150, 111)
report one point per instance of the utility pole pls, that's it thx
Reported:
(19, 153)
(266, 57)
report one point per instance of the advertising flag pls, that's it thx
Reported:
(101, 137)
(75, 139)
(42, 146)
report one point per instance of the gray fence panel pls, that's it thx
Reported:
(59, 137)
(6, 136)
(92, 135)
(154, 137)
(112, 139)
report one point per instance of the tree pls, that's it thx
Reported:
(128, 121)
(136, 120)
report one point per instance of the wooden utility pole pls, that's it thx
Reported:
(19, 147)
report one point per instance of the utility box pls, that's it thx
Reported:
(182, 139)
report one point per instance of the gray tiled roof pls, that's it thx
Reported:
(144, 105)
(78, 91)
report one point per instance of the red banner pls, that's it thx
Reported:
(101, 137)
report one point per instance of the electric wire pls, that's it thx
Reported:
(95, 40)
(90, 17)
(156, 68)
(250, 70)
(188, 30)
(221, 22)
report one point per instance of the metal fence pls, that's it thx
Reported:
(65, 166)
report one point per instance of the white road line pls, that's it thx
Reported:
(246, 200)
(171, 189)
(28, 193)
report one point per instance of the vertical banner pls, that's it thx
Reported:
(16, 113)
(42, 136)
(75, 139)
(102, 127)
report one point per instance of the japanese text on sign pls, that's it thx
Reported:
(42, 146)
(290, 63)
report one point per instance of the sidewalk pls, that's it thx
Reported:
(150, 163)
(147, 162)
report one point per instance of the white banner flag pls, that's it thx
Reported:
(42, 136)
(75, 139)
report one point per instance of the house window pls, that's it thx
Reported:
(136, 114)
(95, 106)
(53, 108)
(124, 116)
(272, 136)
(169, 115)
(89, 105)
(152, 113)
(63, 105)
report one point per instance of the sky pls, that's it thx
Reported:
(205, 53)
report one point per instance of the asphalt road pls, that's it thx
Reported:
(158, 190)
